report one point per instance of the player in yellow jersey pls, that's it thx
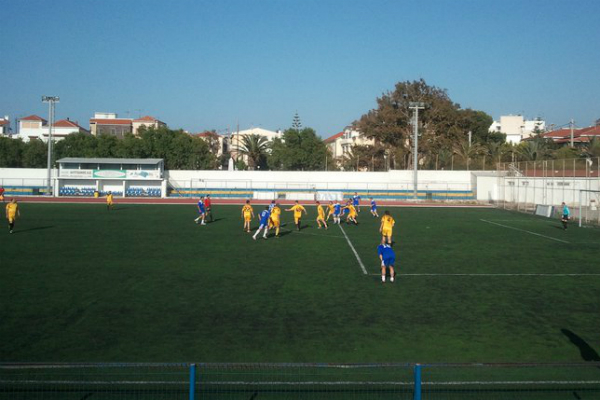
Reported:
(2, 194)
(275, 219)
(352, 214)
(330, 210)
(12, 212)
(386, 228)
(247, 215)
(321, 216)
(109, 201)
(297, 209)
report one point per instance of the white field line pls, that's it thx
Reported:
(525, 231)
(400, 275)
(362, 266)
(303, 383)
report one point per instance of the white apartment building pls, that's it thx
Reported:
(341, 143)
(34, 127)
(516, 127)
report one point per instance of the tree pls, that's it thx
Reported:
(255, 147)
(296, 123)
(298, 150)
(35, 154)
(76, 145)
(441, 125)
(10, 152)
(467, 152)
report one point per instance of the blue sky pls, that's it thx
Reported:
(201, 65)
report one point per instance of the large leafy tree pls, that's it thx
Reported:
(35, 154)
(299, 150)
(441, 125)
(11, 151)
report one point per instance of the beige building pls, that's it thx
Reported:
(341, 143)
(218, 144)
(148, 122)
(111, 124)
(516, 127)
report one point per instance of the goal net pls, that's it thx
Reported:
(589, 207)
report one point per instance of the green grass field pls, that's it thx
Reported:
(143, 283)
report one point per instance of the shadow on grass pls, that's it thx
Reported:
(214, 220)
(37, 228)
(586, 351)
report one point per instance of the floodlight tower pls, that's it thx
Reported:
(51, 100)
(416, 106)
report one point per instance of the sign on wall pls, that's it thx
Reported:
(108, 174)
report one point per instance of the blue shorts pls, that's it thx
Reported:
(373, 208)
(389, 262)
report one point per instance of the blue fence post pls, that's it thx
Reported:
(192, 381)
(417, 392)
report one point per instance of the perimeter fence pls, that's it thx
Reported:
(523, 185)
(300, 381)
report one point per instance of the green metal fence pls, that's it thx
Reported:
(300, 381)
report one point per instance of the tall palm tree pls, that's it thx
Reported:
(255, 147)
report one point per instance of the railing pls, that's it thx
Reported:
(300, 381)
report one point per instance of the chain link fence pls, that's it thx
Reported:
(576, 182)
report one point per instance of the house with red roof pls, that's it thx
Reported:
(580, 136)
(111, 124)
(4, 126)
(147, 121)
(341, 143)
(35, 127)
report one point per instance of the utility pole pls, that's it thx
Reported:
(416, 106)
(572, 125)
(51, 100)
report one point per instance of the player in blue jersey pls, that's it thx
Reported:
(264, 223)
(374, 209)
(387, 258)
(337, 212)
(272, 205)
(356, 201)
(201, 212)
(566, 215)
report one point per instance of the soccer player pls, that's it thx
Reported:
(247, 215)
(386, 228)
(275, 220)
(566, 213)
(330, 209)
(264, 223)
(387, 258)
(12, 212)
(337, 212)
(109, 201)
(374, 209)
(321, 216)
(352, 214)
(201, 212)
(208, 207)
(272, 205)
(2, 194)
(356, 201)
(297, 209)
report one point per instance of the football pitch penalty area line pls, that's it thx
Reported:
(525, 231)
(442, 274)
(362, 266)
